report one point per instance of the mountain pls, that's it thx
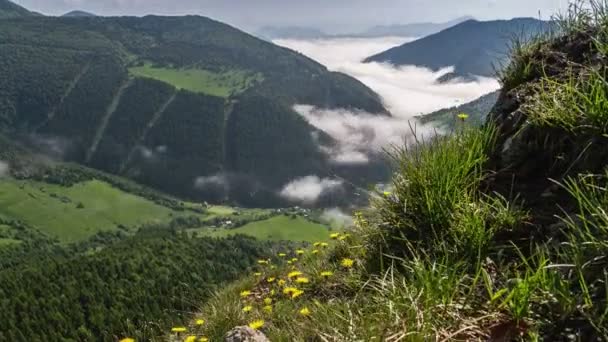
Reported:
(8, 9)
(406, 30)
(472, 47)
(78, 14)
(187, 105)
(412, 30)
(290, 32)
(477, 111)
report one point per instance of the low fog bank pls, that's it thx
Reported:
(3, 169)
(407, 91)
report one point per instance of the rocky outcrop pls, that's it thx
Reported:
(245, 334)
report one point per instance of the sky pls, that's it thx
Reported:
(334, 16)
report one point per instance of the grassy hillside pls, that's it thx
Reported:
(144, 97)
(476, 110)
(222, 84)
(493, 233)
(80, 211)
(278, 228)
(472, 47)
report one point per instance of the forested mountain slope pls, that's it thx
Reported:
(8, 9)
(476, 110)
(472, 47)
(166, 100)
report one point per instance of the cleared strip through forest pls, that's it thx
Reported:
(65, 95)
(144, 133)
(106, 118)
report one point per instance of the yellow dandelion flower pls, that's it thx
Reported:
(282, 255)
(344, 237)
(316, 244)
(387, 193)
(178, 329)
(316, 251)
(190, 338)
(245, 293)
(294, 274)
(297, 294)
(271, 279)
(334, 236)
(463, 116)
(248, 308)
(327, 274)
(257, 324)
(267, 308)
(258, 274)
(200, 322)
(267, 301)
(324, 244)
(302, 280)
(282, 282)
(294, 260)
(203, 339)
(127, 339)
(347, 263)
(263, 262)
(289, 262)
(299, 252)
(305, 312)
(289, 290)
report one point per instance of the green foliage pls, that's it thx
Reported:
(576, 104)
(221, 84)
(138, 287)
(433, 180)
(278, 228)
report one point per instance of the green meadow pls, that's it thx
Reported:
(75, 213)
(278, 228)
(221, 84)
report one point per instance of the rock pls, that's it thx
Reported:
(245, 334)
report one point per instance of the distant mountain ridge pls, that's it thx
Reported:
(9, 9)
(414, 29)
(472, 47)
(399, 30)
(78, 14)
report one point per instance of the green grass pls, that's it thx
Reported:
(222, 84)
(7, 242)
(104, 208)
(278, 228)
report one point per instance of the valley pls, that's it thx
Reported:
(174, 178)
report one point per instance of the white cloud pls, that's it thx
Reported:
(218, 180)
(335, 215)
(407, 91)
(307, 190)
(3, 168)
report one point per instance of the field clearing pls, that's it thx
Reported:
(221, 84)
(75, 213)
(278, 228)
